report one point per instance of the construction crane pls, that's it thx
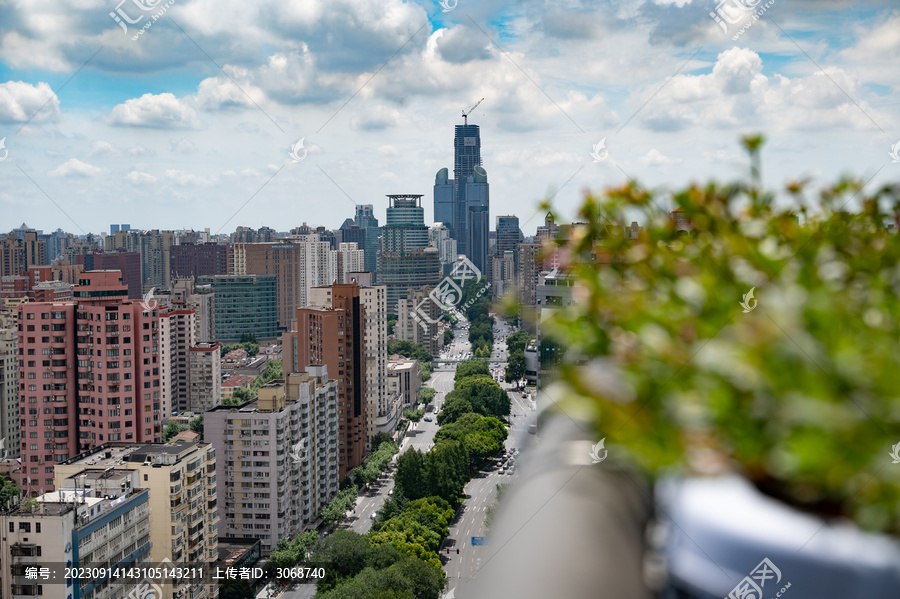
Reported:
(466, 113)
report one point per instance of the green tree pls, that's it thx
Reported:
(426, 370)
(453, 409)
(391, 323)
(518, 341)
(447, 471)
(414, 351)
(171, 429)
(292, 552)
(343, 554)
(471, 368)
(413, 415)
(515, 367)
(235, 589)
(337, 509)
(380, 438)
(426, 395)
(409, 477)
(8, 490)
(196, 425)
(483, 393)
(448, 336)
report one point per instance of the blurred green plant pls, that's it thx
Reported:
(795, 389)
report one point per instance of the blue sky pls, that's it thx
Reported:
(191, 124)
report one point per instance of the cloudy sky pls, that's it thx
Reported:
(188, 121)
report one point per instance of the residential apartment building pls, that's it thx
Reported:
(185, 295)
(176, 337)
(244, 304)
(89, 373)
(279, 458)
(205, 380)
(97, 530)
(9, 393)
(348, 259)
(181, 478)
(418, 319)
(335, 337)
(380, 405)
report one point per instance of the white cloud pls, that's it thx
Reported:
(103, 149)
(182, 146)
(76, 168)
(388, 150)
(138, 177)
(656, 158)
(162, 111)
(20, 101)
(140, 150)
(376, 118)
(186, 179)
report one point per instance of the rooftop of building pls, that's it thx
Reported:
(238, 380)
(118, 454)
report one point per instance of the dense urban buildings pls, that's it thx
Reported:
(298, 264)
(183, 499)
(97, 529)
(335, 337)
(9, 392)
(365, 219)
(88, 374)
(244, 304)
(405, 379)
(278, 457)
(128, 263)
(154, 248)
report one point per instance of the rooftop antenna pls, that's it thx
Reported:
(466, 113)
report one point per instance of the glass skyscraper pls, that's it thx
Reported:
(463, 203)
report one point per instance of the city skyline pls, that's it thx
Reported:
(112, 129)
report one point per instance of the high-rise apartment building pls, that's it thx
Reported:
(244, 304)
(192, 260)
(89, 373)
(182, 480)
(205, 378)
(379, 403)
(335, 337)
(97, 529)
(298, 264)
(349, 259)
(184, 295)
(9, 393)
(278, 463)
(19, 250)
(176, 337)
(528, 272)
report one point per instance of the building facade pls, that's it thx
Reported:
(418, 320)
(335, 337)
(88, 375)
(190, 260)
(279, 464)
(181, 478)
(405, 379)
(244, 304)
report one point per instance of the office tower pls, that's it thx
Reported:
(298, 265)
(445, 200)
(248, 235)
(351, 233)
(155, 250)
(406, 259)
(94, 363)
(21, 249)
(349, 259)
(277, 491)
(528, 271)
(365, 219)
(60, 532)
(509, 236)
(418, 320)
(244, 304)
(181, 478)
(548, 231)
(128, 263)
(199, 259)
(9, 392)
(381, 412)
(439, 236)
(335, 337)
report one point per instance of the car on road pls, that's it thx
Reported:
(427, 419)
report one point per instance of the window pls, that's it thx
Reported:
(24, 526)
(37, 527)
